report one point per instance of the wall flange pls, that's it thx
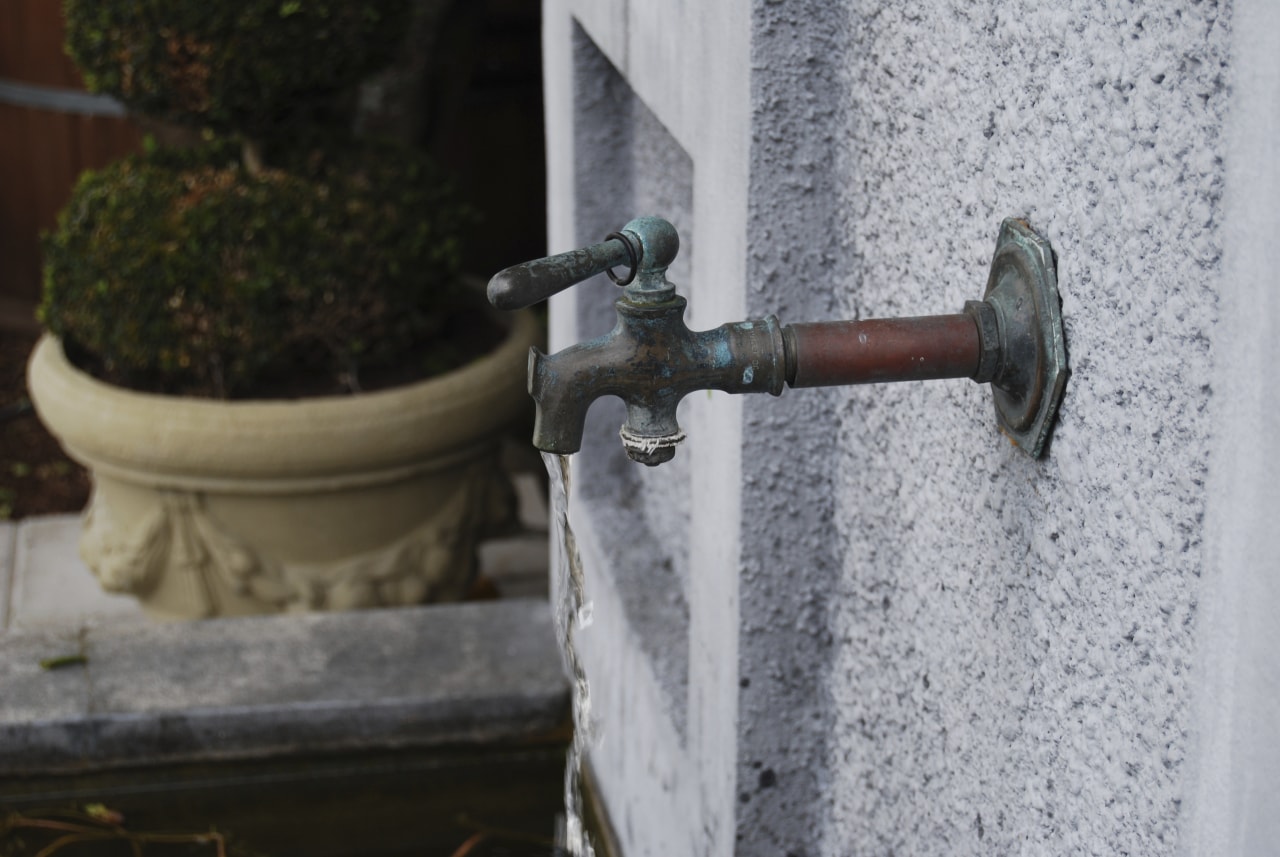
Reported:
(1032, 375)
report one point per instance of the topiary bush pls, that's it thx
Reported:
(251, 67)
(277, 258)
(181, 271)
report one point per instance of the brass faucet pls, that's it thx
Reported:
(651, 359)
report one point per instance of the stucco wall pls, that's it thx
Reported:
(870, 625)
(1016, 638)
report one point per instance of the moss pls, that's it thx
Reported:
(253, 66)
(178, 271)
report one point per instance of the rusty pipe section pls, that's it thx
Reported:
(925, 348)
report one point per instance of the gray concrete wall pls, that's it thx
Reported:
(857, 620)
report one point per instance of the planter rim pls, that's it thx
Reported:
(157, 439)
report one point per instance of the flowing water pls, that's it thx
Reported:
(573, 613)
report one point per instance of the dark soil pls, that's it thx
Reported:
(465, 336)
(36, 477)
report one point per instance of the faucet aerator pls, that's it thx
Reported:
(650, 451)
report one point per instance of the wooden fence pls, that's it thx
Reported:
(50, 131)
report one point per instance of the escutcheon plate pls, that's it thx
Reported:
(1032, 373)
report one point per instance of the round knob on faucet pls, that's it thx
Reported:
(659, 243)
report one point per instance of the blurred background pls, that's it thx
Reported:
(467, 88)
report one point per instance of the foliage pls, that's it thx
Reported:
(180, 271)
(253, 67)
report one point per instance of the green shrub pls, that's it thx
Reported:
(248, 66)
(180, 272)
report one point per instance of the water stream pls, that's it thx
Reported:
(573, 613)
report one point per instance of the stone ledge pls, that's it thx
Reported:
(51, 589)
(276, 686)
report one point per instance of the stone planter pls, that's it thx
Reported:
(204, 508)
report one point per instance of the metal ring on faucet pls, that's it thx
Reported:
(631, 260)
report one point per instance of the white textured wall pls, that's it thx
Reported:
(857, 621)
(1015, 639)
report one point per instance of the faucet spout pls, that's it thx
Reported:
(651, 360)
(560, 401)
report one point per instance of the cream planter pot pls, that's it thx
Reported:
(206, 508)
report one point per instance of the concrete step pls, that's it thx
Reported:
(274, 686)
(8, 531)
(51, 589)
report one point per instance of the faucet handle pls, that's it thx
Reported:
(530, 282)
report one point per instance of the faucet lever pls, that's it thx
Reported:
(528, 283)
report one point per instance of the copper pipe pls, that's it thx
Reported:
(925, 348)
